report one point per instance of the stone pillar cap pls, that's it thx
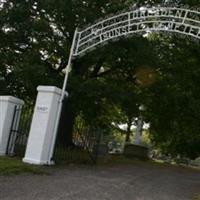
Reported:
(50, 89)
(11, 99)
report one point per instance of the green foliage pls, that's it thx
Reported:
(174, 109)
(109, 84)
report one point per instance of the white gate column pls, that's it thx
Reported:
(42, 130)
(7, 109)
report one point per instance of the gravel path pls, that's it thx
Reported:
(137, 182)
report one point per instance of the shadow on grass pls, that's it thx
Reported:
(197, 197)
(120, 160)
(13, 166)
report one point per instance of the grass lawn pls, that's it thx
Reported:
(122, 160)
(197, 198)
(10, 166)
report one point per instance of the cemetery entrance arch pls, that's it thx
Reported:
(142, 20)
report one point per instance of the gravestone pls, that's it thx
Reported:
(136, 151)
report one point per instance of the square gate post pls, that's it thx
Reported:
(7, 111)
(42, 131)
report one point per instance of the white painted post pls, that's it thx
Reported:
(7, 109)
(43, 125)
(67, 71)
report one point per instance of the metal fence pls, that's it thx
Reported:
(20, 130)
(84, 148)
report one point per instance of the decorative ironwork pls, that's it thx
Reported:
(142, 20)
(19, 130)
(14, 130)
(84, 149)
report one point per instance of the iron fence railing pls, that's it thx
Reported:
(84, 148)
(20, 130)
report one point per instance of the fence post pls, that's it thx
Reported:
(42, 127)
(7, 110)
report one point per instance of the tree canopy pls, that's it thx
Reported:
(109, 84)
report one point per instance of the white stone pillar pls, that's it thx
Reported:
(42, 129)
(7, 109)
(138, 133)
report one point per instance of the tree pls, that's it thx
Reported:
(35, 40)
(173, 109)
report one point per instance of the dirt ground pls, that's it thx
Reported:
(133, 182)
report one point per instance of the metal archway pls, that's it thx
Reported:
(143, 20)
(165, 19)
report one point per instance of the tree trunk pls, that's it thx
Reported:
(68, 116)
(66, 124)
(128, 134)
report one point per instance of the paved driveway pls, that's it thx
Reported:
(137, 182)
